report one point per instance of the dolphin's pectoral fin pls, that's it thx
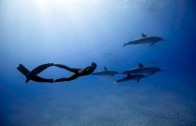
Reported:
(105, 68)
(140, 65)
(144, 35)
(152, 43)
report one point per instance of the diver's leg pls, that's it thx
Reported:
(67, 79)
(74, 70)
(40, 79)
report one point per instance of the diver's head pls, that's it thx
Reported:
(51, 64)
(93, 64)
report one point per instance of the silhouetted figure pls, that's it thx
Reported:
(32, 75)
(77, 72)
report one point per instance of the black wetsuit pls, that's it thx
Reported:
(32, 75)
(78, 72)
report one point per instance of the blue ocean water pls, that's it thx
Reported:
(76, 33)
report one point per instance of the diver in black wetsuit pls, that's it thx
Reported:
(32, 75)
(78, 72)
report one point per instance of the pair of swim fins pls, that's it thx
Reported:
(32, 75)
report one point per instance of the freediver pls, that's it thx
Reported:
(77, 72)
(32, 75)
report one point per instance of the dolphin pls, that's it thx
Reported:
(141, 69)
(106, 72)
(144, 40)
(129, 77)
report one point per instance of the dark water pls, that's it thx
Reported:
(75, 33)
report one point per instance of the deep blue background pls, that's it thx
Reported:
(75, 34)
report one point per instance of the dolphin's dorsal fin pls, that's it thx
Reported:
(105, 68)
(140, 65)
(144, 35)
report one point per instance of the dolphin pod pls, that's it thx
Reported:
(136, 73)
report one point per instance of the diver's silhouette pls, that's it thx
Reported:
(78, 72)
(32, 75)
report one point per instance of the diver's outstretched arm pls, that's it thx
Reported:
(74, 70)
(36, 78)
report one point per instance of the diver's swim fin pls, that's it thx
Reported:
(25, 72)
(23, 69)
(38, 70)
